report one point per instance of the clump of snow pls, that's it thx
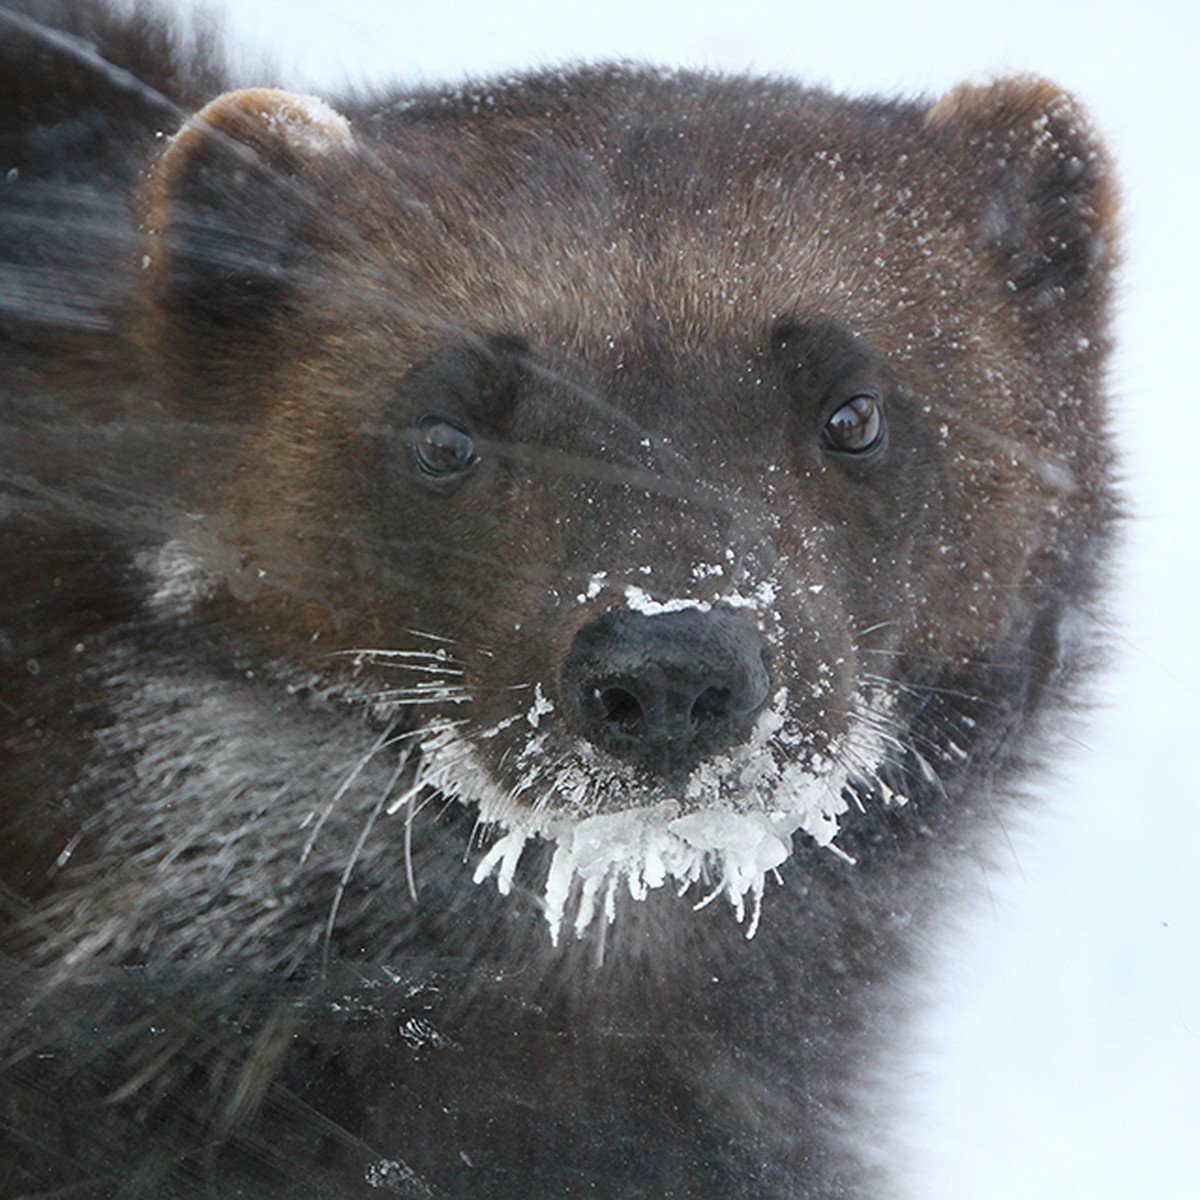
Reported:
(540, 708)
(639, 600)
(595, 586)
(760, 600)
(307, 122)
(395, 1177)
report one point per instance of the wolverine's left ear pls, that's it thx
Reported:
(1041, 187)
(237, 217)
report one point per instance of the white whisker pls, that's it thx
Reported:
(355, 853)
(384, 739)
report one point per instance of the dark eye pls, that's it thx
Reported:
(442, 448)
(856, 427)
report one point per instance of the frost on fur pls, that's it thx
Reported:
(698, 843)
(641, 849)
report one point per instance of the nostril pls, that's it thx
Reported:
(619, 706)
(712, 706)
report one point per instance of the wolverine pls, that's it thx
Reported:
(519, 605)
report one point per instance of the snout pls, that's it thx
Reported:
(665, 691)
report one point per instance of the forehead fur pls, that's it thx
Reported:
(690, 201)
(597, 205)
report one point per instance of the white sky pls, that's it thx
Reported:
(1064, 1045)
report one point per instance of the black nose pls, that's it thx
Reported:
(668, 690)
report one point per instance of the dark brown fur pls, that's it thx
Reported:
(272, 687)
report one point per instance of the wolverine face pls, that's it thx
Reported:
(649, 474)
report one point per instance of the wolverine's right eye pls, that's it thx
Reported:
(442, 448)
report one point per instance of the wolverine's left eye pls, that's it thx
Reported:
(857, 427)
(442, 448)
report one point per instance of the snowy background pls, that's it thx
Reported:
(1061, 1054)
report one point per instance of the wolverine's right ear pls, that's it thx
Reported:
(236, 206)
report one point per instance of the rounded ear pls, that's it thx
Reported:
(234, 205)
(1042, 188)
